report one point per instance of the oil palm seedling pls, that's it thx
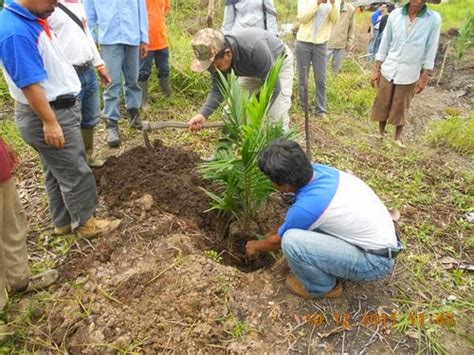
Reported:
(241, 188)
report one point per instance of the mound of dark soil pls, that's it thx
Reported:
(167, 174)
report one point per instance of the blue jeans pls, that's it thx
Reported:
(317, 259)
(89, 97)
(161, 58)
(121, 59)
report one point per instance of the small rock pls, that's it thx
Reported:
(123, 341)
(145, 202)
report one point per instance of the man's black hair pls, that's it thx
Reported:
(284, 162)
(221, 53)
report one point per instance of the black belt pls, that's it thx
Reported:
(63, 102)
(385, 252)
(82, 67)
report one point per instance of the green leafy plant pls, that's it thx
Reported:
(213, 255)
(242, 189)
(464, 40)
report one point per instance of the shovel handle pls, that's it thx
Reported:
(149, 126)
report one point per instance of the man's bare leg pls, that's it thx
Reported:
(382, 125)
(398, 136)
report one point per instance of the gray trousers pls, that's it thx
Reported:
(279, 110)
(308, 54)
(337, 55)
(70, 184)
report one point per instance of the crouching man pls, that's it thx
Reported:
(337, 227)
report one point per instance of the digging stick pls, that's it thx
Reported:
(306, 112)
(446, 51)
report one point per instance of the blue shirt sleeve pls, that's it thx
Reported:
(297, 218)
(375, 16)
(22, 61)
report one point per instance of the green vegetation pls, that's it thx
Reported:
(242, 188)
(455, 132)
(213, 255)
(465, 40)
(454, 13)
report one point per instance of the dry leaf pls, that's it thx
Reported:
(413, 334)
(333, 331)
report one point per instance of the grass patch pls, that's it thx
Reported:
(454, 13)
(455, 132)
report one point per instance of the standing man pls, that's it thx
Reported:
(14, 271)
(158, 50)
(337, 227)
(48, 115)
(316, 20)
(240, 14)
(121, 29)
(69, 23)
(405, 58)
(374, 28)
(342, 36)
(250, 53)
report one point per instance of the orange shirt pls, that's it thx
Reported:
(157, 11)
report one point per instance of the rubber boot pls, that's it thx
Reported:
(144, 86)
(134, 119)
(113, 133)
(165, 86)
(88, 138)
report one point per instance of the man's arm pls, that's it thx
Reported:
(229, 18)
(306, 10)
(334, 12)
(272, 242)
(350, 32)
(53, 133)
(430, 55)
(143, 18)
(375, 79)
(214, 99)
(382, 52)
(91, 13)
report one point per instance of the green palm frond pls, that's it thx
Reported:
(241, 188)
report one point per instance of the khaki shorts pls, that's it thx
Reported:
(392, 102)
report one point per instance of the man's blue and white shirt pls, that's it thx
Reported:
(29, 54)
(342, 205)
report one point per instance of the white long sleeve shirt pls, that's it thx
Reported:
(78, 46)
(405, 51)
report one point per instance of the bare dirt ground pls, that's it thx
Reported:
(149, 288)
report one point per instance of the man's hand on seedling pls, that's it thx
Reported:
(252, 248)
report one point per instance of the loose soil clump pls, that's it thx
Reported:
(165, 180)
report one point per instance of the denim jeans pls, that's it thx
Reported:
(161, 58)
(121, 59)
(308, 54)
(89, 97)
(317, 259)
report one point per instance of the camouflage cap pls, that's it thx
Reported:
(206, 44)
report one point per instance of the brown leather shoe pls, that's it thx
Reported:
(95, 227)
(297, 288)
